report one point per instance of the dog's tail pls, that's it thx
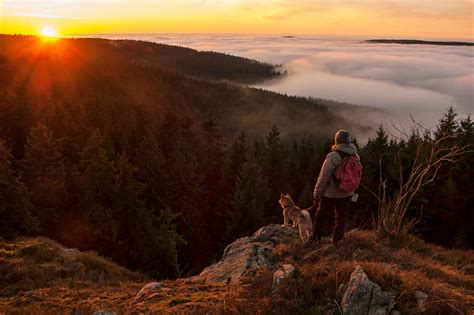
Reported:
(306, 215)
(310, 208)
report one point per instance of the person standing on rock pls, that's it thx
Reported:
(338, 179)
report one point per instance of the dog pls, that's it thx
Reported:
(300, 218)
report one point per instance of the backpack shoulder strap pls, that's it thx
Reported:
(343, 154)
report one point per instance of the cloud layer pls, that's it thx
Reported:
(416, 80)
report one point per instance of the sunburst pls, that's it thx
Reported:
(49, 31)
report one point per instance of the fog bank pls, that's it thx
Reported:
(407, 80)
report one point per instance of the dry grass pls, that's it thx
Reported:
(39, 276)
(35, 278)
(401, 266)
(29, 264)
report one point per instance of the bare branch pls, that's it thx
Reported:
(429, 157)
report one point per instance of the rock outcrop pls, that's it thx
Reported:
(148, 290)
(247, 255)
(365, 297)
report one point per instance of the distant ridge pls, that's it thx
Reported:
(417, 42)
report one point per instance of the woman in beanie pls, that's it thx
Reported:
(326, 194)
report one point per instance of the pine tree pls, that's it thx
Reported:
(274, 170)
(378, 160)
(45, 174)
(248, 202)
(185, 191)
(152, 172)
(448, 125)
(16, 120)
(15, 206)
(463, 173)
(466, 130)
(238, 154)
(168, 133)
(67, 124)
(214, 183)
(378, 153)
(168, 240)
(98, 194)
(146, 240)
(304, 164)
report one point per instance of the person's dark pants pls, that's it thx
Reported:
(328, 206)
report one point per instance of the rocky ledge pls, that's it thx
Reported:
(247, 255)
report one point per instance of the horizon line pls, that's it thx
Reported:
(254, 34)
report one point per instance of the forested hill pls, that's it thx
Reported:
(200, 64)
(119, 82)
(417, 42)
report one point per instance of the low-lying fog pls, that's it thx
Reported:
(418, 80)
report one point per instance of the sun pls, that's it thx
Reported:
(49, 31)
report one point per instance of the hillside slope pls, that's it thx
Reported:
(201, 64)
(187, 61)
(102, 78)
(38, 274)
(420, 278)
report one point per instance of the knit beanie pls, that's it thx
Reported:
(342, 136)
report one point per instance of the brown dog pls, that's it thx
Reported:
(300, 218)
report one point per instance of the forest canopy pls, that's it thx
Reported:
(118, 147)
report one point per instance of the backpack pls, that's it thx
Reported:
(347, 175)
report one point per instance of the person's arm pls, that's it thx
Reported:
(324, 175)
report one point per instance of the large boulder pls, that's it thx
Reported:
(365, 297)
(247, 255)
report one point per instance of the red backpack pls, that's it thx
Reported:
(348, 174)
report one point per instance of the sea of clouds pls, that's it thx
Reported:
(418, 81)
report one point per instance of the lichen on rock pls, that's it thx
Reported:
(365, 297)
(247, 255)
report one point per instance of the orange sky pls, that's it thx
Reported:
(388, 18)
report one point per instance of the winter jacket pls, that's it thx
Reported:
(325, 186)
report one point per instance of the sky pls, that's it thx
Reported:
(440, 19)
